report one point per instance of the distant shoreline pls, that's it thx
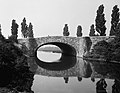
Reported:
(50, 51)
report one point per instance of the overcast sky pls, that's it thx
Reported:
(49, 16)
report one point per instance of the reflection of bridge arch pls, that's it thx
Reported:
(67, 60)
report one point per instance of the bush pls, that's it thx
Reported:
(107, 50)
(14, 70)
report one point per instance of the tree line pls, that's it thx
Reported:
(14, 62)
(27, 30)
(99, 28)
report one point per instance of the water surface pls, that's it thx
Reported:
(51, 84)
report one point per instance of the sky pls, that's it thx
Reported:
(49, 16)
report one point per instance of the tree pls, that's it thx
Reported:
(79, 31)
(2, 38)
(100, 21)
(14, 31)
(0, 29)
(92, 30)
(14, 69)
(65, 30)
(117, 30)
(114, 21)
(24, 28)
(101, 48)
(30, 30)
(14, 28)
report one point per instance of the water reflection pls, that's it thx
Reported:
(116, 86)
(79, 79)
(66, 79)
(86, 76)
(105, 69)
(92, 79)
(101, 86)
(49, 56)
(100, 73)
(66, 61)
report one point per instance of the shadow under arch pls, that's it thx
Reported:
(67, 60)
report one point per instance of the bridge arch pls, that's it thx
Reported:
(67, 60)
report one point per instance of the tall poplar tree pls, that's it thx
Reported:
(2, 38)
(14, 28)
(79, 31)
(0, 29)
(92, 30)
(65, 30)
(24, 28)
(114, 20)
(100, 21)
(14, 31)
(117, 31)
(30, 30)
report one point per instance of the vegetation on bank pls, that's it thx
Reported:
(108, 51)
(15, 74)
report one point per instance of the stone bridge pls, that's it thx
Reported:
(71, 45)
(74, 47)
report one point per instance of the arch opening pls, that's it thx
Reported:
(67, 60)
(49, 53)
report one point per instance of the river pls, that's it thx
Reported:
(45, 84)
